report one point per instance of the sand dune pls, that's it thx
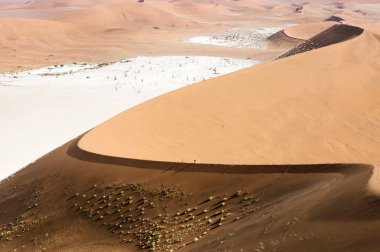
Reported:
(280, 39)
(250, 119)
(97, 92)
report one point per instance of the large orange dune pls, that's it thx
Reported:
(309, 108)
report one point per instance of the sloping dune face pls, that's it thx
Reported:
(314, 107)
(307, 30)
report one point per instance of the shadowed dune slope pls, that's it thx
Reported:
(315, 107)
(72, 200)
(332, 35)
(335, 18)
(281, 39)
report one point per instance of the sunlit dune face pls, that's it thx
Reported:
(272, 113)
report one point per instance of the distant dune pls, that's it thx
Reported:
(129, 16)
(119, 29)
(116, 29)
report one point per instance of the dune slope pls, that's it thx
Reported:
(74, 200)
(307, 30)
